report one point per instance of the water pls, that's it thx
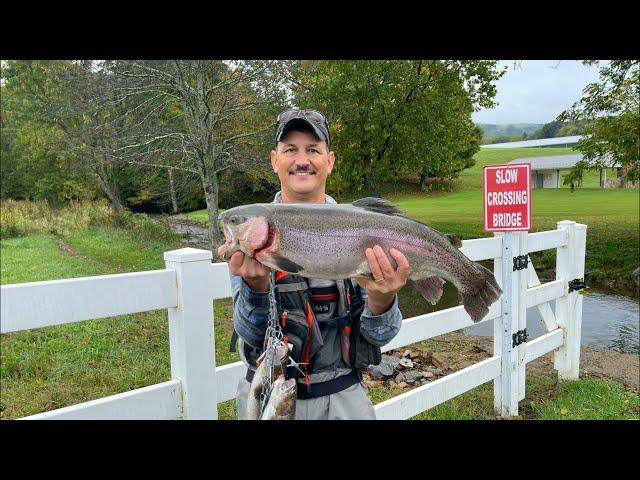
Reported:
(608, 320)
(195, 234)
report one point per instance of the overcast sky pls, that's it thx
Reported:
(537, 91)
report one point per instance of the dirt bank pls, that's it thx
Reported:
(460, 350)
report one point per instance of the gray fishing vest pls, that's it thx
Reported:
(322, 324)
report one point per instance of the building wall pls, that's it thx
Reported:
(550, 178)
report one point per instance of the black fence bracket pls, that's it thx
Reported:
(520, 262)
(577, 284)
(519, 337)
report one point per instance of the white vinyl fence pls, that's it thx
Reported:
(190, 283)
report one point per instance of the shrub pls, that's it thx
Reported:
(20, 217)
(146, 227)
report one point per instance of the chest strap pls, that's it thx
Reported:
(321, 389)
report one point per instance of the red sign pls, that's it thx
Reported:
(507, 197)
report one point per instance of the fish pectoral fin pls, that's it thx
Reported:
(378, 205)
(285, 264)
(455, 241)
(430, 288)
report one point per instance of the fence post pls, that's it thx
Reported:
(191, 335)
(513, 304)
(565, 305)
(575, 300)
(522, 282)
(497, 334)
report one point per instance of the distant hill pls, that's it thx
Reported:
(491, 130)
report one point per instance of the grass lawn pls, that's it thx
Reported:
(197, 215)
(48, 368)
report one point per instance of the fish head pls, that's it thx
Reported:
(288, 388)
(246, 228)
(284, 397)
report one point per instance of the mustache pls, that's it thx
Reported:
(305, 169)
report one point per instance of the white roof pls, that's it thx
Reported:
(541, 142)
(553, 162)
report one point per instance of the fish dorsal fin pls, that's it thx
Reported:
(378, 205)
(455, 241)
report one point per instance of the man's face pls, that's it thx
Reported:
(302, 163)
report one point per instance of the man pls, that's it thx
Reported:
(348, 317)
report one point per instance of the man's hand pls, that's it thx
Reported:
(255, 274)
(386, 281)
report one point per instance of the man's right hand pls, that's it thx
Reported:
(255, 274)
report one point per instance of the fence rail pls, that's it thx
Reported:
(191, 282)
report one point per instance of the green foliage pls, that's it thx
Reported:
(611, 108)
(36, 163)
(388, 117)
(144, 227)
(509, 130)
(501, 139)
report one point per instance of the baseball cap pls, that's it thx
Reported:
(292, 117)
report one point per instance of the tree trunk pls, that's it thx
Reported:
(622, 175)
(370, 179)
(211, 190)
(601, 185)
(172, 192)
(112, 194)
(423, 180)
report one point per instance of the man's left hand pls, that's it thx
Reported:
(386, 282)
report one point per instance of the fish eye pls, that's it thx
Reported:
(233, 219)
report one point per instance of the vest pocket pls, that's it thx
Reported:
(297, 332)
(362, 353)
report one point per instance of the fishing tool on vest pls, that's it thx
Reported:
(273, 339)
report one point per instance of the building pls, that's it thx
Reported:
(545, 171)
(540, 142)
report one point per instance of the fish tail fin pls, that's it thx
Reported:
(477, 301)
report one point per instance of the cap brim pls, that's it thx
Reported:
(291, 123)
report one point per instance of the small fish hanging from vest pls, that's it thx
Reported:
(329, 241)
(257, 384)
(282, 401)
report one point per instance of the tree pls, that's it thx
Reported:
(392, 116)
(611, 108)
(36, 162)
(65, 116)
(219, 110)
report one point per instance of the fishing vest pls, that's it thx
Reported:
(319, 345)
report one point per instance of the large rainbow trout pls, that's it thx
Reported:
(329, 241)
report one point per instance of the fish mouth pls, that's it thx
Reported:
(271, 235)
(289, 385)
